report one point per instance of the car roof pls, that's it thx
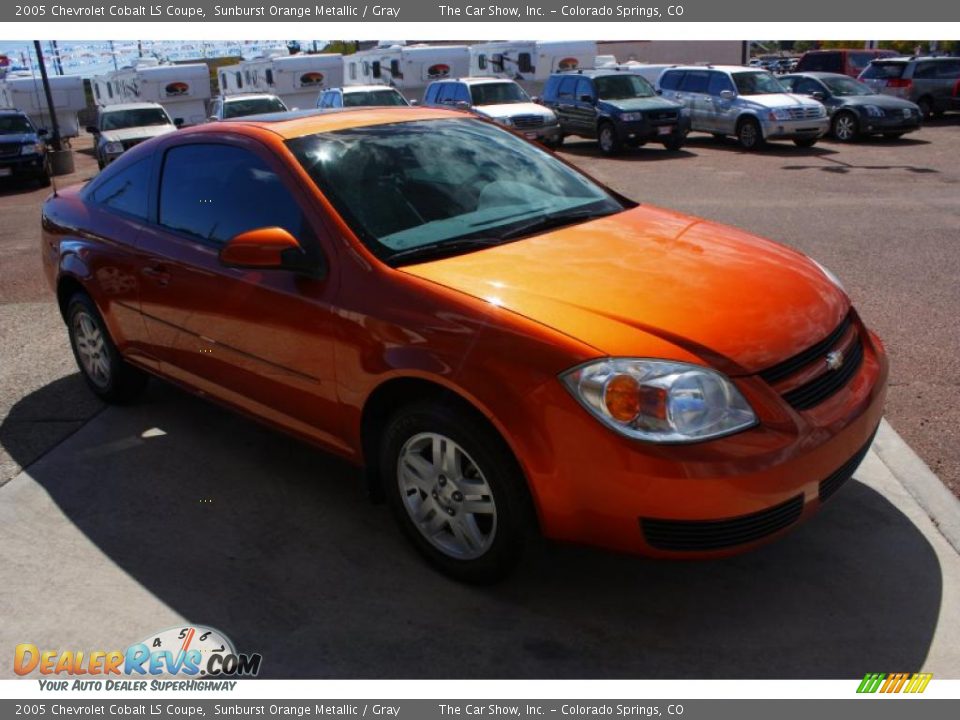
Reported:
(474, 80)
(247, 96)
(721, 68)
(363, 88)
(816, 75)
(12, 111)
(298, 123)
(130, 106)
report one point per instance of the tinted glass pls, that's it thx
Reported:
(252, 106)
(584, 88)
(757, 83)
(14, 124)
(567, 86)
(126, 190)
(938, 70)
(213, 192)
(405, 185)
(670, 80)
(141, 117)
(718, 83)
(847, 87)
(497, 94)
(807, 86)
(431, 95)
(695, 81)
(859, 60)
(821, 62)
(622, 87)
(884, 70)
(387, 96)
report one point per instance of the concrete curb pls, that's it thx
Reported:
(924, 486)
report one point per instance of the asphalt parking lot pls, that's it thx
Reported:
(129, 520)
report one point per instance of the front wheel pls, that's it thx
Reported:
(749, 134)
(106, 373)
(455, 490)
(610, 143)
(674, 142)
(845, 127)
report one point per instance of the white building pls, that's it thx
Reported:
(183, 90)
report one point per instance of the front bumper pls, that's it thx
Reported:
(23, 165)
(794, 129)
(652, 131)
(544, 133)
(703, 499)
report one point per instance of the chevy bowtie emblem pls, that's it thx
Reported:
(834, 360)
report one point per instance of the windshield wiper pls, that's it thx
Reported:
(555, 220)
(444, 247)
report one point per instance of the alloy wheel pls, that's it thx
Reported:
(845, 128)
(91, 348)
(446, 496)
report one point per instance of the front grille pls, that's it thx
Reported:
(823, 386)
(9, 149)
(800, 360)
(837, 478)
(127, 144)
(804, 113)
(526, 122)
(663, 115)
(694, 535)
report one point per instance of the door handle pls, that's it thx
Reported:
(159, 273)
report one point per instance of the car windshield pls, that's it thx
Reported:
(252, 106)
(622, 87)
(14, 125)
(846, 86)
(503, 93)
(757, 83)
(141, 117)
(429, 187)
(367, 98)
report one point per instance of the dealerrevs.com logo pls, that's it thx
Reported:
(195, 652)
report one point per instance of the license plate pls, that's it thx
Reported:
(530, 136)
(665, 130)
(5, 171)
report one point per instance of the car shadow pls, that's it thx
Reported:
(648, 153)
(273, 542)
(15, 186)
(774, 148)
(840, 167)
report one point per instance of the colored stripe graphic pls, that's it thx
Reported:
(894, 683)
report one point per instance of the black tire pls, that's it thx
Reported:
(674, 143)
(485, 451)
(719, 137)
(119, 383)
(845, 127)
(100, 163)
(555, 142)
(44, 180)
(805, 142)
(926, 107)
(608, 139)
(893, 135)
(749, 134)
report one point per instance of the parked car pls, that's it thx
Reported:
(23, 153)
(228, 107)
(503, 101)
(503, 343)
(846, 61)
(930, 82)
(855, 109)
(616, 107)
(121, 127)
(747, 103)
(360, 96)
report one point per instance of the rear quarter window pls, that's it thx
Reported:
(124, 190)
(670, 80)
(695, 81)
(884, 70)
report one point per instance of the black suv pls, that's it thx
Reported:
(615, 106)
(22, 152)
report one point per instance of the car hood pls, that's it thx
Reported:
(22, 138)
(137, 133)
(508, 110)
(647, 103)
(654, 283)
(779, 100)
(884, 101)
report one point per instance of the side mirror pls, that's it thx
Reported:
(42, 132)
(462, 105)
(414, 102)
(727, 94)
(818, 96)
(537, 99)
(268, 248)
(93, 129)
(212, 118)
(178, 122)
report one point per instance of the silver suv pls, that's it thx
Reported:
(120, 127)
(933, 83)
(748, 103)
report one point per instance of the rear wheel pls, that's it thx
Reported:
(610, 143)
(845, 127)
(106, 373)
(749, 134)
(455, 490)
(926, 107)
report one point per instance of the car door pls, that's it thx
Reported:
(692, 92)
(261, 340)
(719, 113)
(585, 107)
(566, 108)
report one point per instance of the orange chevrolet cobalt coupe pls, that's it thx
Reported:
(501, 342)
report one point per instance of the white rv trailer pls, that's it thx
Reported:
(23, 91)
(408, 68)
(530, 62)
(183, 90)
(295, 79)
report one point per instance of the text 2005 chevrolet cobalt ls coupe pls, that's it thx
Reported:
(503, 343)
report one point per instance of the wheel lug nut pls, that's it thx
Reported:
(451, 511)
(434, 493)
(442, 480)
(458, 496)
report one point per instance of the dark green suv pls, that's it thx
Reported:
(616, 107)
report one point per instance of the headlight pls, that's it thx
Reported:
(32, 149)
(873, 110)
(822, 111)
(505, 121)
(779, 114)
(830, 276)
(113, 147)
(551, 119)
(660, 401)
(631, 117)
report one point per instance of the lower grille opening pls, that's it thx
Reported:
(693, 535)
(840, 476)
